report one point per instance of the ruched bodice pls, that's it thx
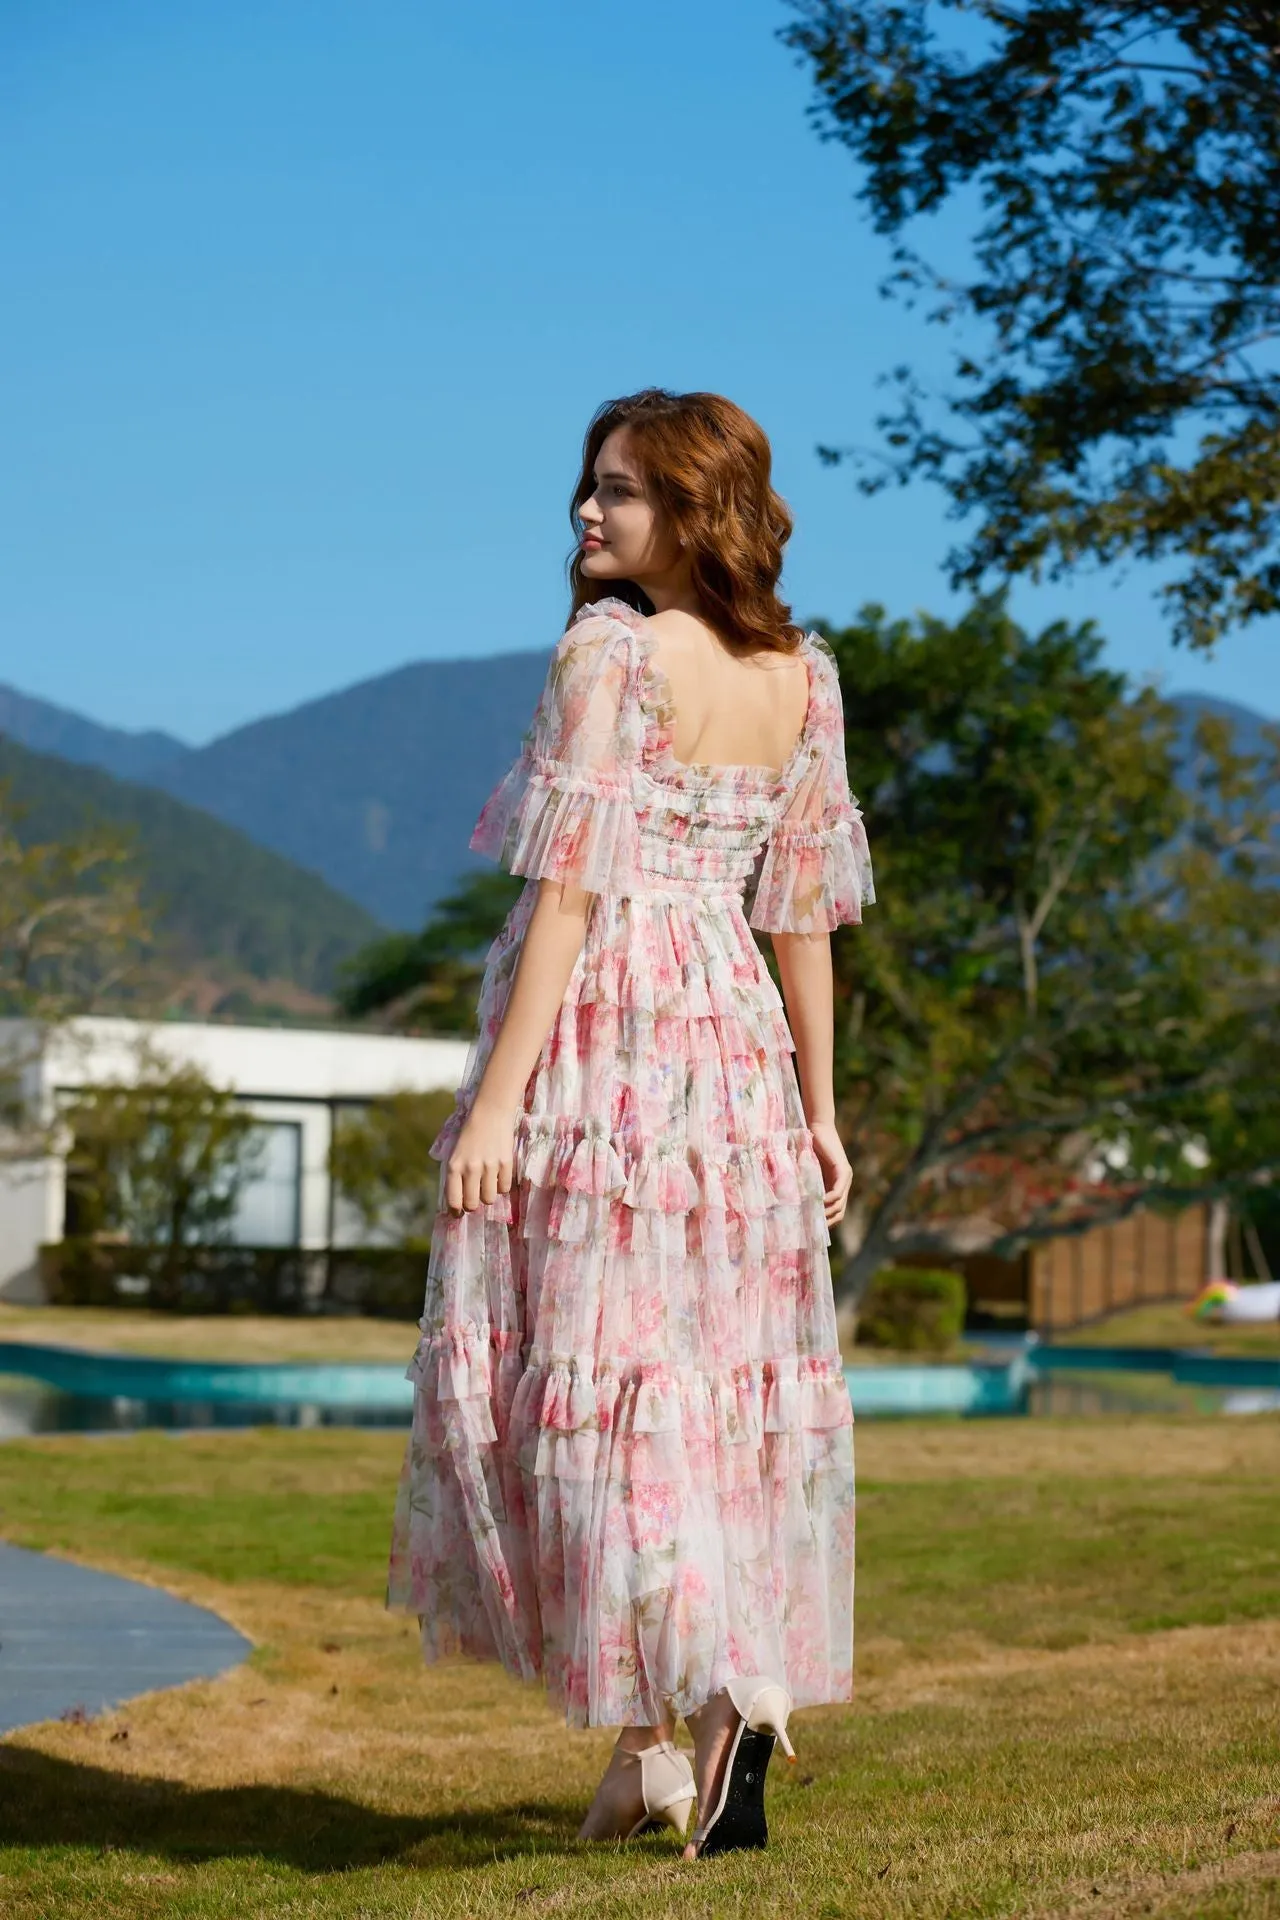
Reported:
(631, 1465)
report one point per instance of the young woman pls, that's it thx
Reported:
(631, 1464)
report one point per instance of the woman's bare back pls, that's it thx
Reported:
(732, 708)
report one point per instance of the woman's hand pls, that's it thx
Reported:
(479, 1168)
(837, 1174)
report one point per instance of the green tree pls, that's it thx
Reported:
(71, 923)
(1065, 1003)
(431, 980)
(1117, 394)
(72, 929)
(381, 1166)
(159, 1158)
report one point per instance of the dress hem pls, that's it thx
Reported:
(578, 1720)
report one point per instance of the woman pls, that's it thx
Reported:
(631, 1465)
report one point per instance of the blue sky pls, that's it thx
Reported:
(304, 307)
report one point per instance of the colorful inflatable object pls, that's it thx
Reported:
(1229, 1304)
(1211, 1299)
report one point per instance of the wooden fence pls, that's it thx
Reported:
(1148, 1257)
(1063, 1283)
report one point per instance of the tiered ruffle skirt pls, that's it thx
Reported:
(631, 1464)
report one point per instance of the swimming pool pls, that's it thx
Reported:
(57, 1389)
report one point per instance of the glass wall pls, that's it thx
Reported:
(269, 1209)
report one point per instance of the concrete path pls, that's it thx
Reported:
(71, 1637)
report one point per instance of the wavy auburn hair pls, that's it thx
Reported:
(706, 464)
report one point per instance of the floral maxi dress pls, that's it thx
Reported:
(630, 1470)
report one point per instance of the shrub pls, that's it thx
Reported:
(913, 1309)
(158, 1158)
(380, 1165)
(387, 1282)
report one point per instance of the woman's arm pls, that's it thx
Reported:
(804, 962)
(480, 1166)
(564, 815)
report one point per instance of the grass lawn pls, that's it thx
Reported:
(1068, 1669)
(1170, 1325)
(248, 1336)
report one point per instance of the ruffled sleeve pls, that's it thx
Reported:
(566, 809)
(816, 870)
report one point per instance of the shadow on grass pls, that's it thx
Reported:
(45, 1802)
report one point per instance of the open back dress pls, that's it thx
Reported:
(630, 1470)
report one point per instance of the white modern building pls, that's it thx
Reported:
(294, 1080)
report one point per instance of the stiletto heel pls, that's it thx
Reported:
(666, 1791)
(738, 1820)
(666, 1783)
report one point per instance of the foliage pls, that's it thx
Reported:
(72, 929)
(71, 919)
(213, 894)
(1065, 1002)
(380, 1164)
(160, 1159)
(1124, 162)
(431, 980)
(291, 1284)
(913, 1310)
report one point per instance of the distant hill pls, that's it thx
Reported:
(49, 729)
(221, 903)
(376, 787)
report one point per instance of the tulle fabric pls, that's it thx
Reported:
(814, 881)
(630, 1471)
(566, 809)
(816, 873)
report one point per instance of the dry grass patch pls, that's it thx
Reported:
(242, 1337)
(1131, 1446)
(1246, 1887)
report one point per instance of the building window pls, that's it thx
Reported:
(269, 1210)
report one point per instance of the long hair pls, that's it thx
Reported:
(706, 463)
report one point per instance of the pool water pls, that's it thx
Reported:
(28, 1407)
(51, 1389)
(1087, 1395)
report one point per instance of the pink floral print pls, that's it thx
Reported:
(630, 1471)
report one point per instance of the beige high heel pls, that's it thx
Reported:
(737, 1819)
(666, 1791)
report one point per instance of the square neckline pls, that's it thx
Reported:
(664, 706)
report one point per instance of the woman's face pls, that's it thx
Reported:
(623, 533)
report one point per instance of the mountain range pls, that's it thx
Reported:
(375, 788)
(48, 729)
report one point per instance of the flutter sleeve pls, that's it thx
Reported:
(566, 808)
(816, 870)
